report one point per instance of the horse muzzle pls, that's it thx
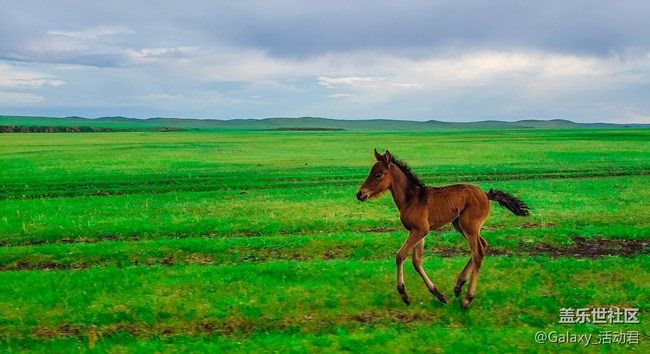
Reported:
(362, 196)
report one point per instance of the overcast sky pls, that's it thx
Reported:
(419, 60)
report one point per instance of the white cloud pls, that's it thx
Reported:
(158, 52)
(408, 85)
(161, 97)
(475, 85)
(354, 81)
(92, 33)
(631, 116)
(103, 46)
(340, 95)
(431, 59)
(18, 98)
(524, 72)
(486, 66)
(206, 98)
(12, 77)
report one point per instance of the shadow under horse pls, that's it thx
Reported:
(423, 208)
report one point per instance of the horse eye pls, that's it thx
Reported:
(378, 176)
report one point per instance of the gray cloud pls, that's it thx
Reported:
(307, 28)
(584, 60)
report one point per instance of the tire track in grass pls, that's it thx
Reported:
(238, 326)
(169, 255)
(314, 182)
(248, 234)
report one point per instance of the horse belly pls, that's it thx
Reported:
(442, 216)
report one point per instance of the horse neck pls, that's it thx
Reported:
(402, 189)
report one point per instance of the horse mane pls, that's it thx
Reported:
(407, 171)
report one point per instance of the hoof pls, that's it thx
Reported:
(402, 293)
(458, 289)
(440, 296)
(466, 302)
(406, 299)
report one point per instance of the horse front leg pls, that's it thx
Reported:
(418, 251)
(414, 237)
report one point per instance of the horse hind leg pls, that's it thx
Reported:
(418, 250)
(484, 243)
(461, 279)
(477, 246)
(462, 276)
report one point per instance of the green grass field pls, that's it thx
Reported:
(254, 241)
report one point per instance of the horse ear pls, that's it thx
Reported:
(377, 156)
(387, 157)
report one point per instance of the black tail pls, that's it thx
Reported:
(509, 201)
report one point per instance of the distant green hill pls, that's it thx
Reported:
(10, 124)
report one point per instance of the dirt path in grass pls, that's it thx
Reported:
(583, 248)
(236, 327)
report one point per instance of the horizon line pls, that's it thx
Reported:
(330, 118)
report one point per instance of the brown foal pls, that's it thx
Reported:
(423, 208)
